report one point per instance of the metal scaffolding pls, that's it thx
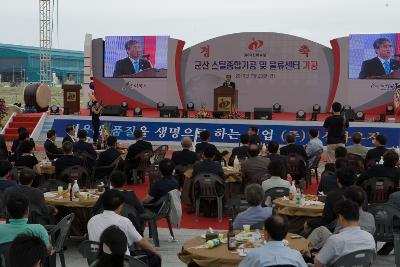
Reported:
(45, 41)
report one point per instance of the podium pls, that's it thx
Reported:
(147, 73)
(225, 99)
(72, 102)
(393, 75)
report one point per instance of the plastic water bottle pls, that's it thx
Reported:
(236, 164)
(381, 161)
(222, 163)
(298, 196)
(75, 189)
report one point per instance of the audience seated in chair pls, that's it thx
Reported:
(241, 151)
(205, 142)
(18, 212)
(357, 148)
(254, 138)
(52, 151)
(5, 169)
(113, 243)
(69, 134)
(35, 196)
(113, 202)
(340, 153)
(328, 181)
(394, 200)
(292, 147)
(380, 149)
(27, 159)
(110, 155)
(366, 220)
(388, 169)
(274, 252)
(255, 213)
(132, 162)
(208, 164)
(27, 250)
(185, 156)
(68, 160)
(345, 178)
(85, 149)
(314, 146)
(4, 154)
(23, 135)
(273, 154)
(163, 185)
(255, 168)
(350, 238)
(275, 170)
(118, 181)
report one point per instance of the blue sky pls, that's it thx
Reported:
(196, 21)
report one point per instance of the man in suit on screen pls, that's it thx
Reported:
(382, 64)
(133, 63)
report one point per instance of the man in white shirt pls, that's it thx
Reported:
(113, 202)
(349, 239)
(275, 169)
(357, 148)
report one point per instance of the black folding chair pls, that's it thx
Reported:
(159, 154)
(274, 193)
(361, 258)
(4, 249)
(144, 162)
(378, 189)
(164, 207)
(103, 172)
(77, 172)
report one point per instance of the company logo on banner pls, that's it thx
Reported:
(266, 68)
(255, 44)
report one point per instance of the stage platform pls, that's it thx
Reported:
(224, 132)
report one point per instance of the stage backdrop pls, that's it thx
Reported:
(266, 67)
(368, 95)
(142, 92)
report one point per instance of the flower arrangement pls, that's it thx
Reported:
(233, 114)
(202, 113)
(3, 110)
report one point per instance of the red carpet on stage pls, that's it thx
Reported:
(189, 219)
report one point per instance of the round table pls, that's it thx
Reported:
(287, 207)
(221, 257)
(81, 208)
(297, 215)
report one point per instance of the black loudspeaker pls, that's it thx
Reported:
(382, 117)
(112, 111)
(263, 113)
(247, 115)
(218, 114)
(350, 114)
(169, 112)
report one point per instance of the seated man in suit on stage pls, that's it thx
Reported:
(110, 155)
(255, 168)
(241, 151)
(84, 148)
(185, 156)
(228, 81)
(133, 63)
(68, 160)
(52, 151)
(131, 161)
(292, 147)
(382, 64)
(205, 142)
(70, 134)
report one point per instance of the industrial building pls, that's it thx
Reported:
(21, 64)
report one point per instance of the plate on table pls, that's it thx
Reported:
(49, 194)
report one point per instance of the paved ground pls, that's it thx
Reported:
(169, 250)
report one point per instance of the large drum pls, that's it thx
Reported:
(37, 95)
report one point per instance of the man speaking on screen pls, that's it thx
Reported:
(382, 64)
(133, 63)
